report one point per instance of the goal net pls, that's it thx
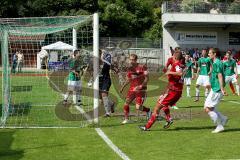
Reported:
(37, 60)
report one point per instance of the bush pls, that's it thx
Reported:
(192, 6)
(234, 8)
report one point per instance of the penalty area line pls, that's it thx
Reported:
(104, 136)
(111, 145)
(233, 102)
(98, 130)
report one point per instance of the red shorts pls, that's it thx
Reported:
(138, 96)
(170, 97)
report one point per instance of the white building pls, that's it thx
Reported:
(208, 28)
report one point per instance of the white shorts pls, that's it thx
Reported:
(238, 68)
(187, 81)
(74, 85)
(203, 80)
(213, 99)
(231, 78)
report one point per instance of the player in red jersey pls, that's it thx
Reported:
(137, 76)
(170, 61)
(172, 95)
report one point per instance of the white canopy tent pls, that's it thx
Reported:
(59, 46)
(54, 49)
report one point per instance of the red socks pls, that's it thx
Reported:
(167, 113)
(126, 111)
(151, 121)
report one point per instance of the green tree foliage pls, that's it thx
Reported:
(191, 6)
(37, 8)
(234, 8)
(125, 17)
(154, 33)
(132, 18)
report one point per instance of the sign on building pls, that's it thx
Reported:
(196, 37)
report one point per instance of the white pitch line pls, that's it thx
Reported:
(59, 90)
(43, 105)
(99, 131)
(84, 113)
(104, 136)
(36, 127)
(234, 102)
(111, 145)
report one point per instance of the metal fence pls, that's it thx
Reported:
(124, 43)
(149, 52)
(200, 7)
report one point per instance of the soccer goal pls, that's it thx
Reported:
(35, 66)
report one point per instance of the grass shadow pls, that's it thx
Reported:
(232, 130)
(6, 140)
(186, 128)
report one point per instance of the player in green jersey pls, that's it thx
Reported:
(231, 72)
(216, 93)
(203, 72)
(74, 81)
(189, 75)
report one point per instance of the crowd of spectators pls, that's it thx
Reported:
(195, 53)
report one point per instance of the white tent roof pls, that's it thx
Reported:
(58, 46)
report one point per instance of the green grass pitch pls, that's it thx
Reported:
(189, 137)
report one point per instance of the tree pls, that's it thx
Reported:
(38, 8)
(125, 17)
(234, 8)
(155, 31)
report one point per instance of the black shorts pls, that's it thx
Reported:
(104, 84)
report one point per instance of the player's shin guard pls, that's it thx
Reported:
(74, 97)
(110, 102)
(151, 121)
(167, 113)
(126, 111)
(197, 93)
(214, 116)
(220, 115)
(206, 92)
(188, 91)
(105, 104)
(237, 89)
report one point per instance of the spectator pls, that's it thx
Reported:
(14, 62)
(236, 56)
(196, 55)
(20, 59)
